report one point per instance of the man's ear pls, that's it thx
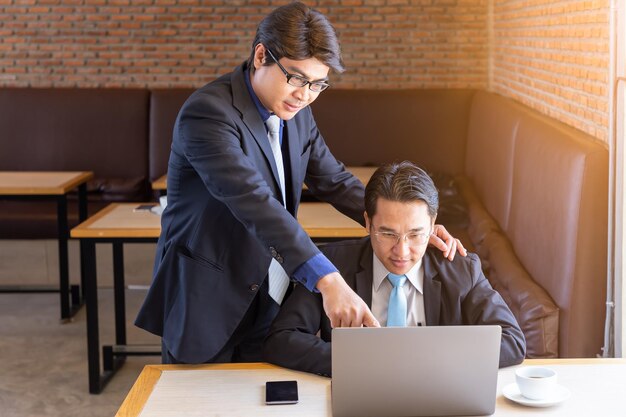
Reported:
(367, 221)
(259, 55)
(432, 223)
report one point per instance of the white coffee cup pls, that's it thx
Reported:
(535, 382)
(163, 201)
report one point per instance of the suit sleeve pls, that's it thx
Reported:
(483, 306)
(210, 137)
(292, 341)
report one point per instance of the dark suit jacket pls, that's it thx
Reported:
(225, 218)
(455, 293)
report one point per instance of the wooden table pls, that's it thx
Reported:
(597, 387)
(120, 220)
(160, 184)
(120, 223)
(117, 224)
(56, 186)
(362, 173)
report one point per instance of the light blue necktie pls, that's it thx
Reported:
(396, 312)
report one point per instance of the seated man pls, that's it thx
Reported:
(401, 204)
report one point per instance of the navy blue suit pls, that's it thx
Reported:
(455, 293)
(225, 218)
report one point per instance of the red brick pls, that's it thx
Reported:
(559, 48)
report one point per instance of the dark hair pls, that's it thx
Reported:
(298, 32)
(404, 182)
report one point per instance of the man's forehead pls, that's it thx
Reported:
(410, 216)
(393, 205)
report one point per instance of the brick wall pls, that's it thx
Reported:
(173, 43)
(554, 56)
(550, 54)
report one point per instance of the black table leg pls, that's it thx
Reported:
(97, 380)
(64, 282)
(119, 294)
(93, 332)
(82, 216)
(114, 356)
(70, 295)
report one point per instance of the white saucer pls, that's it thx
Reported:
(158, 210)
(559, 395)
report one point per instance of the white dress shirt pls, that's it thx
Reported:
(413, 288)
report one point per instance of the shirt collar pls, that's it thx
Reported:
(263, 112)
(415, 275)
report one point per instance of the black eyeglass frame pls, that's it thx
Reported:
(315, 86)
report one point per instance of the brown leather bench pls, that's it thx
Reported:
(70, 129)
(535, 190)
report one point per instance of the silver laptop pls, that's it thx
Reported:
(415, 371)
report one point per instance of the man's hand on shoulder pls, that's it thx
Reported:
(444, 241)
(342, 305)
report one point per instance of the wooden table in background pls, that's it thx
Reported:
(160, 184)
(53, 185)
(121, 223)
(597, 387)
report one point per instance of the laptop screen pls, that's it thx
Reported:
(415, 371)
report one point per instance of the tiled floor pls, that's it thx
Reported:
(43, 363)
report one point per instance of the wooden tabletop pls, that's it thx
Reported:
(144, 386)
(122, 220)
(160, 184)
(362, 173)
(41, 182)
(321, 220)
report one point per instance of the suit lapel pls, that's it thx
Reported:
(364, 277)
(252, 120)
(432, 292)
(290, 134)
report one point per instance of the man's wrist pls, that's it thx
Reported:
(327, 281)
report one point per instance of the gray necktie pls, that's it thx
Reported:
(278, 278)
(273, 126)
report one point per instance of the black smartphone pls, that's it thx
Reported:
(144, 207)
(281, 392)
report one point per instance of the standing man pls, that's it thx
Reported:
(403, 281)
(243, 145)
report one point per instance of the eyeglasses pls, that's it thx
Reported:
(299, 81)
(413, 239)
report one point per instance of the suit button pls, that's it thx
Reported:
(254, 287)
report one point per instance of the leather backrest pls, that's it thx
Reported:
(558, 224)
(164, 107)
(537, 193)
(99, 130)
(75, 129)
(532, 306)
(365, 127)
(489, 158)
